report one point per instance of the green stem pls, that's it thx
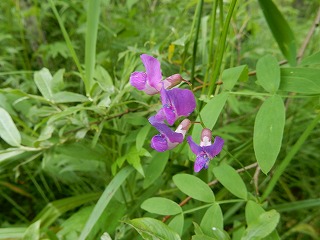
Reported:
(221, 47)
(293, 151)
(212, 36)
(195, 43)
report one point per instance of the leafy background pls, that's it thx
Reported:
(75, 156)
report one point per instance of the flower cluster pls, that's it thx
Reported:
(176, 103)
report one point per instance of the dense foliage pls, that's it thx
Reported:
(75, 154)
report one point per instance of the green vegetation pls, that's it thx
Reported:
(75, 155)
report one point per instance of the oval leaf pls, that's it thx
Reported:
(43, 80)
(232, 75)
(231, 180)
(263, 226)
(280, 29)
(268, 73)
(150, 228)
(8, 130)
(194, 187)
(268, 132)
(162, 206)
(209, 114)
(300, 80)
(213, 218)
(177, 223)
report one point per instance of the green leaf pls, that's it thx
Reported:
(227, 176)
(194, 187)
(33, 231)
(162, 206)
(9, 152)
(57, 83)
(202, 237)
(300, 80)
(104, 200)
(8, 130)
(268, 73)
(66, 97)
(213, 218)
(313, 59)
(152, 229)
(54, 209)
(43, 80)
(232, 75)
(252, 212)
(156, 167)
(210, 114)
(263, 226)
(212, 110)
(268, 132)
(177, 223)
(104, 79)
(280, 29)
(133, 157)
(142, 135)
(12, 233)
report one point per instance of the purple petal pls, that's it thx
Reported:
(182, 100)
(214, 149)
(202, 161)
(170, 115)
(138, 80)
(196, 149)
(159, 143)
(153, 70)
(172, 136)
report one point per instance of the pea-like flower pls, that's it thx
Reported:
(206, 150)
(175, 103)
(168, 139)
(151, 81)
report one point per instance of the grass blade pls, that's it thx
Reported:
(104, 200)
(91, 39)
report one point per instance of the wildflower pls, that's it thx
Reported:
(175, 103)
(151, 81)
(168, 139)
(206, 150)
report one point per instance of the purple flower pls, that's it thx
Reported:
(175, 103)
(168, 139)
(151, 81)
(205, 151)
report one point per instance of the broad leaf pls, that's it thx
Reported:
(313, 59)
(194, 187)
(268, 73)
(300, 80)
(210, 114)
(263, 226)
(280, 29)
(162, 206)
(155, 168)
(227, 176)
(213, 218)
(151, 229)
(66, 97)
(142, 135)
(232, 75)
(177, 223)
(43, 80)
(268, 132)
(8, 130)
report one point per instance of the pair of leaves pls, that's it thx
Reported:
(270, 119)
(50, 87)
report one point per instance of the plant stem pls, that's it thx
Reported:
(221, 47)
